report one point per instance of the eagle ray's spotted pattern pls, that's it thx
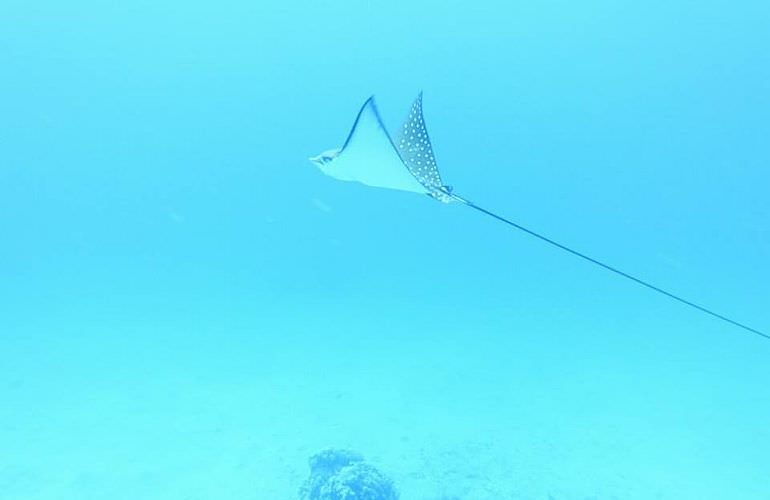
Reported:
(416, 152)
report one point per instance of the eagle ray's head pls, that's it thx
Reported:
(325, 158)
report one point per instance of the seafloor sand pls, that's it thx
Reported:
(118, 408)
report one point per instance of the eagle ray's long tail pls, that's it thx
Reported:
(612, 269)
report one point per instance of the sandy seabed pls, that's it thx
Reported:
(223, 415)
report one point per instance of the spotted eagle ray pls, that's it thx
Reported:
(371, 157)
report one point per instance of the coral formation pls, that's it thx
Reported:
(343, 475)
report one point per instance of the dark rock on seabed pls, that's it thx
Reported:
(343, 475)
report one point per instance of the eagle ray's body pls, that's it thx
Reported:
(371, 157)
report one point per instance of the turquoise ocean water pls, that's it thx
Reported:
(189, 309)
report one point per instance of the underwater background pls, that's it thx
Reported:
(189, 309)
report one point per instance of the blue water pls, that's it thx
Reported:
(189, 309)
